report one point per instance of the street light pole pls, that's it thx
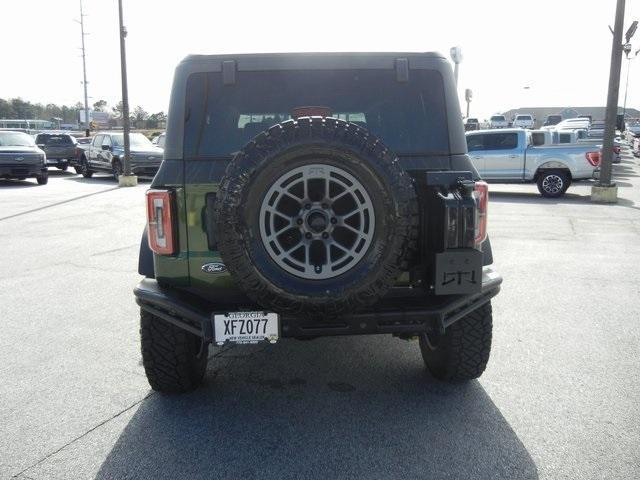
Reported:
(605, 191)
(456, 56)
(626, 87)
(126, 179)
(84, 76)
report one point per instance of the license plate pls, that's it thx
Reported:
(246, 327)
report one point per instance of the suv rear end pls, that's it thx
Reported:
(245, 220)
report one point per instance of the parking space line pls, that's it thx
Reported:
(57, 203)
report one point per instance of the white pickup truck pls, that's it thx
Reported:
(509, 155)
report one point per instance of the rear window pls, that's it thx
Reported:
(54, 140)
(492, 141)
(523, 117)
(498, 118)
(409, 117)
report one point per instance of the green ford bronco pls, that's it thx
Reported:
(307, 195)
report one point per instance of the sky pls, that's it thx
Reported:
(559, 49)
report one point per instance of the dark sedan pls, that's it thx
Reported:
(20, 157)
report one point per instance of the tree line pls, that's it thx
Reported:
(17, 108)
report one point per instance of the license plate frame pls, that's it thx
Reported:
(245, 328)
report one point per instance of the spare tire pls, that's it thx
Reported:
(316, 216)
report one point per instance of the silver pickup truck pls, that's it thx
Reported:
(509, 155)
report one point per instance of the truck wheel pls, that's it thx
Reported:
(63, 166)
(84, 168)
(463, 351)
(78, 169)
(170, 355)
(42, 179)
(316, 216)
(553, 183)
(116, 170)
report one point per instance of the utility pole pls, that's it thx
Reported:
(606, 191)
(127, 179)
(84, 75)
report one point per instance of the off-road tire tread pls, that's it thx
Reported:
(239, 172)
(169, 356)
(466, 345)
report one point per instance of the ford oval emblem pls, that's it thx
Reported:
(19, 159)
(214, 267)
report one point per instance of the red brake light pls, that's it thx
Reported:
(160, 222)
(593, 158)
(481, 194)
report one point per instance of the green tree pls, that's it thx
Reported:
(139, 116)
(117, 110)
(100, 106)
(6, 109)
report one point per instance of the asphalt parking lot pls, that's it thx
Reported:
(559, 399)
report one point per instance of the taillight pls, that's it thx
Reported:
(593, 158)
(481, 194)
(160, 228)
(616, 150)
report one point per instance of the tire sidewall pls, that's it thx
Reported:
(373, 180)
(565, 183)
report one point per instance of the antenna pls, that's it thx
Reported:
(84, 74)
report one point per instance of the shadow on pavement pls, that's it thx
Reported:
(330, 408)
(16, 184)
(100, 179)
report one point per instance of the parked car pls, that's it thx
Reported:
(551, 120)
(498, 121)
(471, 124)
(158, 140)
(292, 220)
(596, 129)
(510, 156)
(567, 137)
(632, 130)
(106, 153)
(524, 121)
(21, 158)
(572, 124)
(81, 147)
(60, 148)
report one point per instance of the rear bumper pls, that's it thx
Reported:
(397, 315)
(18, 170)
(145, 169)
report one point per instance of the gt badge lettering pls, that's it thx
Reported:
(214, 267)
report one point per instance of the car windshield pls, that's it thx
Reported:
(523, 117)
(15, 139)
(136, 140)
(408, 116)
(497, 118)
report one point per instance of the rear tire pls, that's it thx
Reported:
(170, 356)
(63, 167)
(462, 353)
(553, 183)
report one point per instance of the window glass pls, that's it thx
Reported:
(98, 140)
(106, 140)
(500, 141)
(409, 117)
(475, 143)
